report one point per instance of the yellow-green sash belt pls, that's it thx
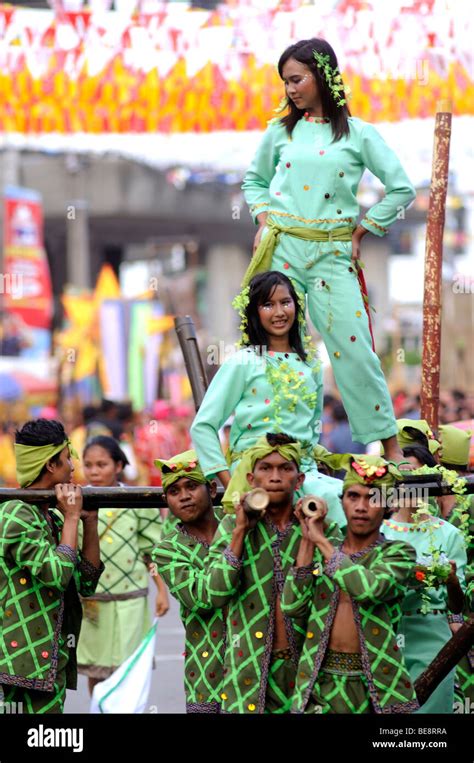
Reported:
(262, 259)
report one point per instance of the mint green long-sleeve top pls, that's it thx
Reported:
(259, 390)
(307, 179)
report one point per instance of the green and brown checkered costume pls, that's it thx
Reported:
(127, 538)
(375, 579)
(249, 588)
(39, 607)
(181, 560)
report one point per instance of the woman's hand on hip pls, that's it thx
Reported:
(357, 237)
(257, 239)
(262, 221)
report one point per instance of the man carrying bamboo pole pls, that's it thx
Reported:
(181, 558)
(41, 573)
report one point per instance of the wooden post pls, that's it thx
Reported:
(433, 266)
(449, 656)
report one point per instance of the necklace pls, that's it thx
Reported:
(393, 526)
(316, 120)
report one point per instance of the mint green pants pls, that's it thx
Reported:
(323, 271)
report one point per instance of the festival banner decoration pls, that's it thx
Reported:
(26, 280)
(111, 345)
(178, 69)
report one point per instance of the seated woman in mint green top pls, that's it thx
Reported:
(273, 384)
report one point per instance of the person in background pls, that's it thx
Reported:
(340, 438)
(117, 617)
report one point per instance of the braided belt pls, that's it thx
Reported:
(342, 663)
(281, 654)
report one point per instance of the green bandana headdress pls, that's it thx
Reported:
(30, 460)
(455, 445)
(333, 77)
(371, 471)
(238, 483)
(183, 465)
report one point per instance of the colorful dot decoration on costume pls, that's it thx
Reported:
(288, 164)
(23, 581)
(353, 338)
(358, 313)
(322, 152)
(14, 644)
(251, 708)
(337, 354)
(306, 187)
(377, 407)
(45, 655)
(286, 266)
(259, 634)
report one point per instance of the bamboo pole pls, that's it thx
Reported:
(433, 266)
(136, 497)
(449, 656)
(186, 333)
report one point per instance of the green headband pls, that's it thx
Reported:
(239, 484)
(262, 448)
(455, 444)
(183, 465)
(30, 460)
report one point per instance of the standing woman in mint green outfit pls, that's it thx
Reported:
(273, 384)
(301, 189)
